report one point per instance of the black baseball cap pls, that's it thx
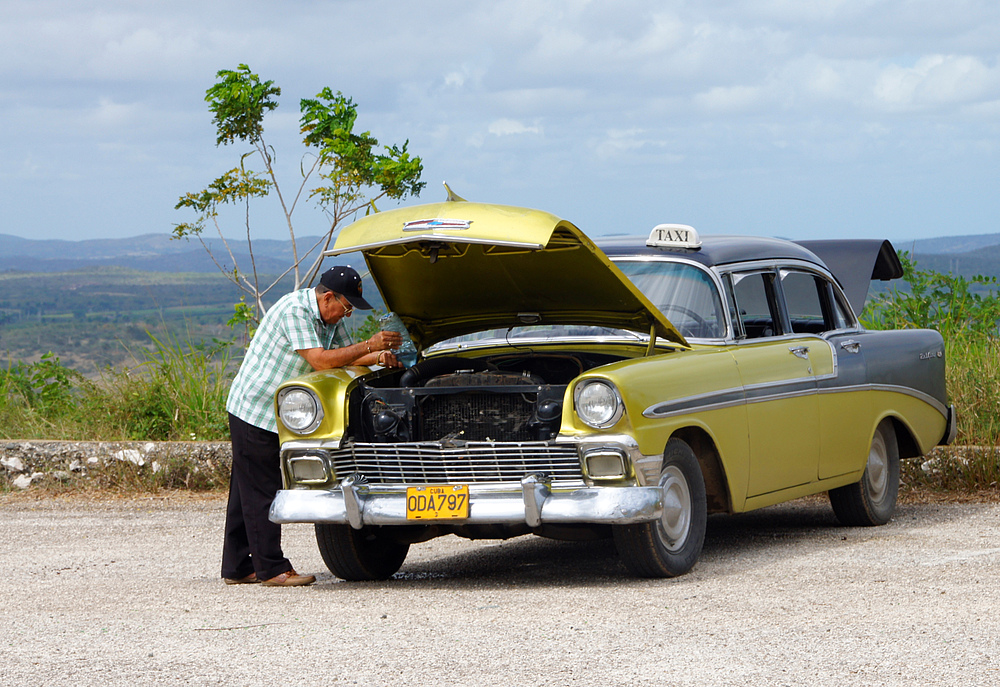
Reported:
(347, 282)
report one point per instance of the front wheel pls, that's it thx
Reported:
(357, 555)
(669, 546)
(872, 500)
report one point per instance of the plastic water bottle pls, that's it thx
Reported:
(407, 351)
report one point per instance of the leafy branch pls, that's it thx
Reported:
(955, 306)
(342, 171)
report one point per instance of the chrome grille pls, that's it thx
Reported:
(432, 463)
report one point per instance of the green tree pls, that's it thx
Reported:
(343, 171)
(955, 306)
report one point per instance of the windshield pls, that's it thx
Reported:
(684, 293)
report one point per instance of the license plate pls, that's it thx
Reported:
(437, 502)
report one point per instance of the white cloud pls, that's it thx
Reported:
(548, 95)
(511, 127)
(730, 99)
(109, 115)
(935, 81)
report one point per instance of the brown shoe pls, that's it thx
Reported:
(249, 579)
(289, 579)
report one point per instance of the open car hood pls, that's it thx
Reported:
(456, 267)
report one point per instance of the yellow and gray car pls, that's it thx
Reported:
(629, 390)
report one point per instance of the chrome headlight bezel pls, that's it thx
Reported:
(590, 395)
(298, 399)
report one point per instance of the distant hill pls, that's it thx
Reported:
(148, 252)
(985, 261)
(112, 291)
(966, 255)
(947, 245)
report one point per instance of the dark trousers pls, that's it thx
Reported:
(253, 543)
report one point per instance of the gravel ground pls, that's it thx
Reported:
(126, 592)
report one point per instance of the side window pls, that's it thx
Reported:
(802, 292)
(843, 318)
(755, 303)
(814, 305)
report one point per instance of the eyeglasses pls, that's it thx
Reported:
(348, 308)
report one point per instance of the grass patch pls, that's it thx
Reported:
(173, 391)
(973, 375)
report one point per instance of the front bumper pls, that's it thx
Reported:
(533, 502)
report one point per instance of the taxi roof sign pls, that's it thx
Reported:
(674, 236)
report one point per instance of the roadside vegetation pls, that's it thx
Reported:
(169, 389)
(174, 388)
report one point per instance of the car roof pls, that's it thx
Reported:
(854, 263)
(714, 250)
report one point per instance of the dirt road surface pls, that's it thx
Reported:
(114, 592)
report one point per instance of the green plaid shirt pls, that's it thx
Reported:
(292, 324)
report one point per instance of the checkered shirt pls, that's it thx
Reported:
(292, 324)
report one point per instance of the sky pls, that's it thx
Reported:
(793, 118)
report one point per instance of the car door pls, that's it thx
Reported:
(779, 380)
(816, 306)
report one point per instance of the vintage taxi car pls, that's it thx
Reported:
(572, 391)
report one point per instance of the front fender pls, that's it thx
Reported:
(333, 388)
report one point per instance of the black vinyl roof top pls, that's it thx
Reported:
(715, 250)
(853, 262)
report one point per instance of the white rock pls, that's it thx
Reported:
(156, 467)
(93, 460)
(22, 482)
(13, 464)
(75, 466)
(131, 455)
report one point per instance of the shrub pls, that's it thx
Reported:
(174, 391)
(959, 308)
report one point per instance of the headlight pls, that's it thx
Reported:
(299, 410)
(598, 403)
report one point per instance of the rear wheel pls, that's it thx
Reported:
(872, 500)
(365, 554)
(669, 546)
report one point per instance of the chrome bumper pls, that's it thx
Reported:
(533, 502)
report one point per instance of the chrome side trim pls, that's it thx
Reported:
(728, 398)
(713, 400)
(920, 395)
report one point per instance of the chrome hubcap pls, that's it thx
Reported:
(877, 469)
(675, 522)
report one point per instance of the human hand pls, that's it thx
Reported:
(385, 340)
(387, 359)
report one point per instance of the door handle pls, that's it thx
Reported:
(851, 346)
(799, 351)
